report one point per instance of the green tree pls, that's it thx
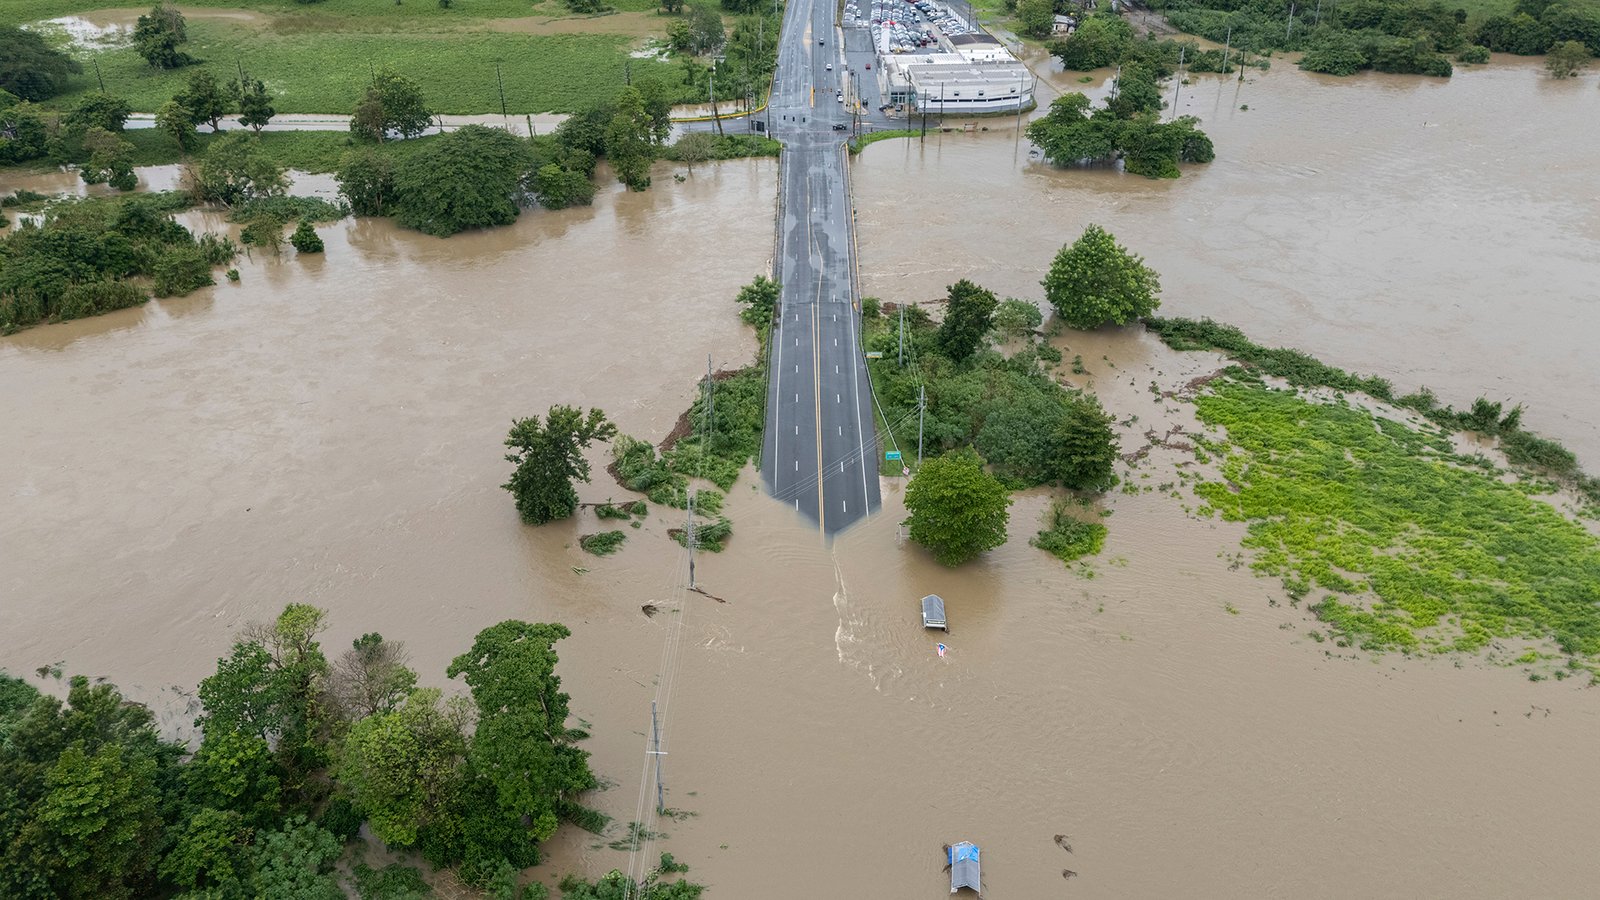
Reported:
(366, 179)
(403, 765)
(957, 509)
(271, 688)
(1566, 59)
(175, 119)
(1082, 447)
(294, 862)
(1069, 135)
(1037, 18)
(696, 146)
(305, 239)
(211, 854)
(628, 141)
(522, 745)
(706, 31)
(235, 169)
(157, 36)
(1100, 40)
(80, 794)
(255, 104)
(392, 103)
(1095, 281)
(110, 160)
(1136, 93)
(473, 177)
(1015, 318)
(760, 301)
(549, 457)
(205, 99)
(967, 319)
(235, 771)
(657, 100)
(30, 68)
(99, 111)
(556, 187)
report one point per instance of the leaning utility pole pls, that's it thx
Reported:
(1177, 83)
(502, 82)
(1227, 45)
(711, 89)
(655, 737)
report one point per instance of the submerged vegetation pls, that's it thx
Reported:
(1067, 537)
(96, 255)
(1486, 417)
(1400, 544)
(1129, 126)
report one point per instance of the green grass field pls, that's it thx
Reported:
(326, 72)
(17, 12)
(317, 58)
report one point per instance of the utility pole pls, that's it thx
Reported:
(1177, 82)
(902, 335)
(711, 89)
(655, 736)
(1289, 30)
(1318, 22)
(502, 82)
(1227, 45)
(922, 407)
(97, 73)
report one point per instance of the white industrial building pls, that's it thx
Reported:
(970, 73)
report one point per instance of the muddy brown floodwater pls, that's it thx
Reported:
(329, 430)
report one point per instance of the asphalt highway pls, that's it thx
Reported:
(820, 454)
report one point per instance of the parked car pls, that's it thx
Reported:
(840, 126)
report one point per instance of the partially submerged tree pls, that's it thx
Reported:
(366, 179)
(1095, 281)
(1015, 318)
(473, 177)
(1568, 58)
(549, 457)
(235, 169)
(957, 509)
(696, 146)
(967, 319)
(629, 144)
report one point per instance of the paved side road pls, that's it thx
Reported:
(820, 454)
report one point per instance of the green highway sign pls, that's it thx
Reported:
(890, 455)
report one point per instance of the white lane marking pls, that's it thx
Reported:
(835, 370)
(841, 467)
(797, 342)
(836, 399)
(845, 504)
(797, 400)
(797, 465)
(797, 368)
(836, 342)
(841, 431)
(797, 429)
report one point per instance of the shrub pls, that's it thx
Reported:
(181, 270)
(305, 239)
(1476, 54)
(603, 544)
(96, 297)
(1066, 537)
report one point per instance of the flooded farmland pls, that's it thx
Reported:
(329, 430)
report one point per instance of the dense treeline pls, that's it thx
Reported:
(298, 750)
(1404, 36)
(92, 256)
(1129, 126)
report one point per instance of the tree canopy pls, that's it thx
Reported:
(549, 457)
(473, 177)
(158, 34)
(392, 103)
(235, 169)
(957, 509)
(967, 319)
(30, 68)
(293, 757)
(1095, 281)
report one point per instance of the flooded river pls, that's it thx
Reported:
(329, 430)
